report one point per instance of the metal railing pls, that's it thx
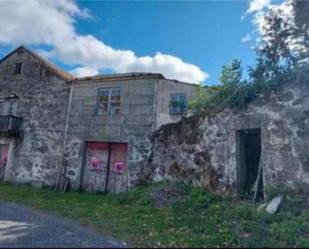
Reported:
(10, 124)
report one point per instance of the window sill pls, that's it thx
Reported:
(178, 113)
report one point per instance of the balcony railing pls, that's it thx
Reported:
(10, 125)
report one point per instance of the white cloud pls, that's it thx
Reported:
(84, 71)
(246, 38)
(171, 66)
(52, 23)
(257, 5)
(285, 10)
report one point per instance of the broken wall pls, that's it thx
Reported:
(202, 150)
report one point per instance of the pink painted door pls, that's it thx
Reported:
(105, 167)
(4, 151)
(95, 168)
(118, 177)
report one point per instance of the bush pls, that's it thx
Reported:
(237, 93)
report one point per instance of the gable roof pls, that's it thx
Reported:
(49, 66)
(72, 79)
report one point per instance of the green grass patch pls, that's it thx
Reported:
(198, 218)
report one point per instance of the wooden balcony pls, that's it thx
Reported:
(10, 125)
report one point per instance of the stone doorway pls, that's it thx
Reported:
(249, 170)
(4, 154)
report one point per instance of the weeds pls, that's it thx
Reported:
(196, 218)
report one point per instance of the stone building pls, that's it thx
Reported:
(230, 148)
(95, 130)
(33, 109)
(110, 119)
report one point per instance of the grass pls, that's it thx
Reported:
(197, 219)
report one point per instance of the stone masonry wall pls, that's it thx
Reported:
(132, 125)
(202, 150)
(43, 96)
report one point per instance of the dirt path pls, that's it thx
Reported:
(23, 227)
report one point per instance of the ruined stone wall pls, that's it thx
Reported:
(202, 150)
(37, 153)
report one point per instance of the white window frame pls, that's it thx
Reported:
(109, 103)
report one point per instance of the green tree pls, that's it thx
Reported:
(231, 74)
(301, 32)
(234, 90)
(273, 54)
(285, 41)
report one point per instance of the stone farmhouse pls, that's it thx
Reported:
(93, 130)
(109, 133)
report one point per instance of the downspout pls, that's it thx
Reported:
(62, 172)
(67, 122)
(155, 104)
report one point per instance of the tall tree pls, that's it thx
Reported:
(285, 43)
(301, 34)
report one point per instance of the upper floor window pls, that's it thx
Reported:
(8, 107)
(18, 67)
(109, 101)
(178, 103)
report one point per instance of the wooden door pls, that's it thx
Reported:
(95, 167)
(4, 151)
(118, 177)
(105, 168)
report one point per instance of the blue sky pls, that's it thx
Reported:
(207, 34)
(194, 39)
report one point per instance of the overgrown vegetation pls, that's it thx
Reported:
(281, 56)
(188, 216)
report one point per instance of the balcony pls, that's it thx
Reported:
(10, 125)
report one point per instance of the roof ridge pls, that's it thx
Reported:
(48, 65)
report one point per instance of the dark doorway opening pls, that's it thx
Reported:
(4, 153)
(249, 171)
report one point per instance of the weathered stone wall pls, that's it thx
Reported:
(59, 117)
(132, 125)
(37, 153)
(202, 150)
(143, 102)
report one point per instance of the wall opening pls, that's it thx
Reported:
(249, 171)
(105, 167)
(4, 153)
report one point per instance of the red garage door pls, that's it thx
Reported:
(105, 168)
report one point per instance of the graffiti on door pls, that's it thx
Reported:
(117, 180)
(105, 167)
